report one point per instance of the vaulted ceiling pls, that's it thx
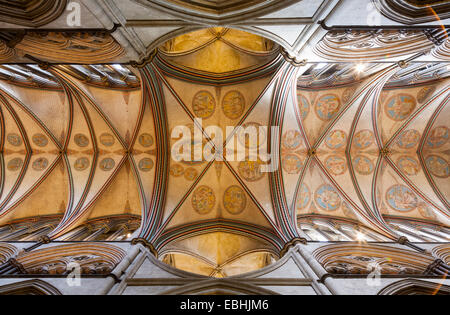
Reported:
(87, 122)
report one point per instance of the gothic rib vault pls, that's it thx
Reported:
(363, 151)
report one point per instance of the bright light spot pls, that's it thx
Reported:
(320, 66)
(119, 67)
(128, 235)
(360, 237)
(360, 67)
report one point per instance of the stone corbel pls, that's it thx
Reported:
(146, 244)
(291, 244)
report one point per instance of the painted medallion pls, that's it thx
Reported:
(363, 139)
(40, 140)
(438, 137)
(251, 170)
(234, 200)
(81, 140)
(233, 104)
(400, 106)
(15, 164)
(291, 140)
(146, 140)
(336, 140)
(40, 164)
(203, 200)
(107, 139)
(408, 165)
(401, 198)
(303, 106)
(190, 174)
(107, 164)
(327, 198)
(14, 139)
(81, 164)
(363, 165)
(327, 106)
(425, 93)
(336, 165)
(303, 197)
(176, 170)
(408, 139)
(292, 164)
(146, 165)
(437, 166)
(203, 104)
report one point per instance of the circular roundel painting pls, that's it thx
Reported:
(438, 166)
(327, 198)
(426, 212)
(383, 96)
(336, 165)
(303, 106)
(438, 137)
(292, 163)
(40, 140)
(425, 93)
(363, 139)
(348, 93)
(81, 164)
(190, 174)
(348, 212)
(233, 104)
(246, 140)
(146, 165)
(400, 106)
(203, 200)
(251, 170)
(40, 164)
(336, 140)
(234, 200)
(408, 165)
(15, 164)
(401, 198)
(176, 170)
(81, 140)
(107, 139)
(303, 197)
(14, 139)
(107, 164)
(408, 139)
(363, 165)
(291, 140)
(327, 106)
(146, 140)
(203, 104)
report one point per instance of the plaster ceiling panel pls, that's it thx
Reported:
(283, 34)
(120, 198)
(121, 107)
(302, 9)
(49, 198)
(219, 50)
(396, 199)
(44, 153)
(50, 107)
(183, 174)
